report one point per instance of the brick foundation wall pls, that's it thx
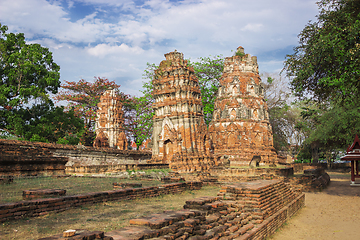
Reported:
(299, 167)
(250, 174)
(310, 182)
(38, 207)
(234, 214)
(35, 158)
(113, 168)
(24, 158)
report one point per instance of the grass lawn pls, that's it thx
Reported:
(102, 217)
(73, 185)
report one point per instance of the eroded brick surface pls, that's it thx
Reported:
(251, 210)
(80, 234)
(240, 211)
(27, 158)
(109, 122)
(240, 129)
(180, 135)
(43, 193)
(39, 207)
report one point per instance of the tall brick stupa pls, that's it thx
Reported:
(180, 136)
(240, 129)
(109, 123)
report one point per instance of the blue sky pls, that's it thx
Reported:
(116, 38)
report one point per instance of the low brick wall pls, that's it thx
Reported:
(310, 182)
(299, 167)
(112, 168)
(250, 174)
(20, 158)
(251, 210)
(43, 193)
(38, 207)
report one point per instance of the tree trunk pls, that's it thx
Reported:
(315, 152)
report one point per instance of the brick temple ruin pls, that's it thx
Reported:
(180, 135)
(252, 202)
(240, 133)
(240, 130)
(109, 123)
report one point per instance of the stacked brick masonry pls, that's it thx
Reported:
(81, 234)
(180, 135)
(110, 120)
(310, 182)
(22, 158)
(34, 158)
(249, 174)
(260, 198)
(42, 193)
(251, 212)
(240, 129)
(40, 207)
(113, 168)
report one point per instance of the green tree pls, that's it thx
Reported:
(328, 128)
(325, 64)
(28, 76)
(208, 70)
(56, 126)
(138, 118)
(324, 72)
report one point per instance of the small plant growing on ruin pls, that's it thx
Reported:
(240, 54)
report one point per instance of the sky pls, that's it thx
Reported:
(115, 39)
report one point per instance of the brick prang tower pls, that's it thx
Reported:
(240, 129)
(180, 136)
(109, 123)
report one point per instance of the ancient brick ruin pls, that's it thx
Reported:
(249, 210)
(109, 123)
(240, 129)
(180, 135)
(23, 158)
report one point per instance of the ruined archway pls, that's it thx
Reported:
(168, 151)
(255, 161)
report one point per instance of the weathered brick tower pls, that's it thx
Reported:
(180, 135)
(109, 122)
(240, 129)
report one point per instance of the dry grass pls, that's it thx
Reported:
(102, 217)
(73, 185)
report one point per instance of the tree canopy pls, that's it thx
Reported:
(325, 64)
(324, 73)
(208, 70)
(28, 77)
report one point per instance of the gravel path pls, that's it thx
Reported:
(333, 213)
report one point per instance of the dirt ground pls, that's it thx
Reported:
(333, 213)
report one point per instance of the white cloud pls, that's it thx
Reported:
(102, 50)
(253, 27)
(119, 49)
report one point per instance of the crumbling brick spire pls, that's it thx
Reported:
(240, 129)
(109, 122)
(180, 135)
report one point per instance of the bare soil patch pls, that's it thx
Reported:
(330, 214)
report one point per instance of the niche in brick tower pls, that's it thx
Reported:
(110, 121)
(240, 129)
(180, 135)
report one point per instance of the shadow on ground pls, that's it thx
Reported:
(340, 185)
